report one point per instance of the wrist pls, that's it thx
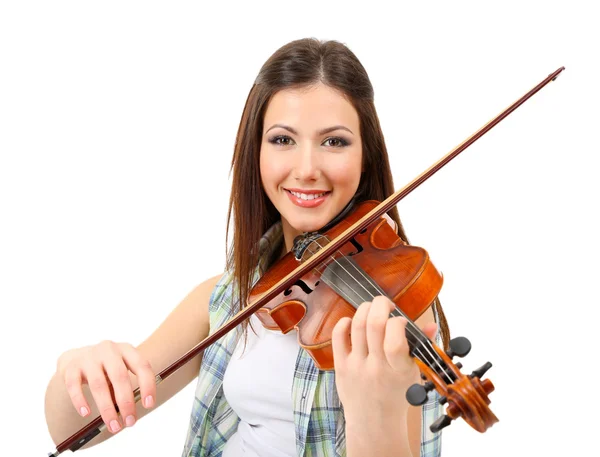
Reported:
(376, 419)
(378, 435)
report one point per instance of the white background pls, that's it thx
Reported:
(117, 123)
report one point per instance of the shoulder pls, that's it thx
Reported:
(205, 289)
(199, 296)
(192, 312)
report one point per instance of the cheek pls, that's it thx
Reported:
(345, 174)
(272, 171)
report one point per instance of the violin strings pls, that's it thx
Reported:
(429, 359)
(418, 336)
(382, 292)
(375, 286)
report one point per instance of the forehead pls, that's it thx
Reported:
(310, 109)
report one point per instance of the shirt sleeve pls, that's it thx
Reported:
(431, 443)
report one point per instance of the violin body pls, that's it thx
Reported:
(314, 304)
(376, 261)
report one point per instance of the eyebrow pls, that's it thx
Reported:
(320, 132)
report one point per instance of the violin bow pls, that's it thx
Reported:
(95, 427)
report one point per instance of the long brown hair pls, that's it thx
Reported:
(297, 64)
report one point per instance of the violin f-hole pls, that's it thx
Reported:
(302, 285)
(357, 245)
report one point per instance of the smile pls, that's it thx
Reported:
(307, 199)
(306, 196)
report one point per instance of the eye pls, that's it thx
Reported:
(337, 142)
(281, 140)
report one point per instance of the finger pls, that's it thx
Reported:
(358, 331)
(430, 330)
(395, 344)
(376, 324)
(101, 393)
(145, 374)
(73, 383)
(340, 341)
(118, 375)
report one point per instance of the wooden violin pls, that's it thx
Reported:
(330, 272)
(376, 261)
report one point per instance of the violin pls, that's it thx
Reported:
(330, 272)
(375, 262)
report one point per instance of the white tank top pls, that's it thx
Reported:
(258, 387)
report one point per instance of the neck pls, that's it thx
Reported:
(288, 241)
(289, 235)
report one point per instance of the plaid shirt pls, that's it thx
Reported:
(318, 414)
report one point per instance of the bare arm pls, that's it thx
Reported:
(186, 326)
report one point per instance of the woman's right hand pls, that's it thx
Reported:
(103, 367)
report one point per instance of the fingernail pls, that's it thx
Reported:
(130, 421)
(115, 426)
(149, 401)
(83, 411)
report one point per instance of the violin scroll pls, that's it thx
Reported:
(467, 396)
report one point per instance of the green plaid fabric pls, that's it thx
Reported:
(318, 413)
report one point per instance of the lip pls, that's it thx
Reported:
(307, 191)
(307, 203)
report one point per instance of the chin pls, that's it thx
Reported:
(307, 224)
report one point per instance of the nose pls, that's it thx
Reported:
(307, 167)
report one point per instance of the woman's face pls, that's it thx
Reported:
(310, 156)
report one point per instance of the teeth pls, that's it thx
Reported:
(307, 196)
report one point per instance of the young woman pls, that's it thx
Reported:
(309, 141)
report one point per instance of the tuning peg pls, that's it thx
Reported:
(417, 393)
(479, 372)
(439, 424)
(459, 346)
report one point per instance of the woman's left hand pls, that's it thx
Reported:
(373, 368)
